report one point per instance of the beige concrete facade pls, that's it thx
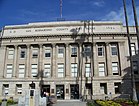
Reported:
(90, 54)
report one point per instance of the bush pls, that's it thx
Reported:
(107, 103)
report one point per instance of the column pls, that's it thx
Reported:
(67, 61)
(96, 73)
(54, 60)
(121, 57)
(15, 65)
(108, 59)
(40, 62)
(28, 70)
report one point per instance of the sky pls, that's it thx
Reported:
(16, 12)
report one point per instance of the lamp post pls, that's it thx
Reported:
(134, 95)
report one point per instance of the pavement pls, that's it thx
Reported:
(69, 103)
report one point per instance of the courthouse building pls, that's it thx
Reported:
(69, 59)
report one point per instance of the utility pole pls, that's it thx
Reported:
(136, 22)
(134, 94)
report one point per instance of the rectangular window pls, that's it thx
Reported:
(47, 70)
(101, 68)
(5, 89)
(35, 53)
(133, 49)
(74, 51)
(103, 88)
(48, 53)
(87, 70)
(114, 49)
(9, 71)
(61, 52)
(11, 53)
(60, 70)
(115, 68)
(19, 88)
(135, 67)
(22, 53)
(100, 50)
(21, 70)
(74, 69)
(34, 70)
(117, 86)
(87, 50)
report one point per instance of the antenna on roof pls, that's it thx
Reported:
(61, 18)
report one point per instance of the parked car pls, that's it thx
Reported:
(52, 99)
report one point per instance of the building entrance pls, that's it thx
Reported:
(74, 91)
(60, 91)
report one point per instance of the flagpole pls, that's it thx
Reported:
(134, 94)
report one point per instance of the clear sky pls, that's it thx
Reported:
(15, 12)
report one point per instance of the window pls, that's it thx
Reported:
(117, 86)
(48, 53)
(19, 88)
(61, 52)
(21, 70)
(115, 68)
(100, 50)
(11, 53)
(133, 49)
(60, 70)
(35, 53)
(5, 89)
(47, 70)
(74, 69)
(22, 53)
(135, 67)
(34, 70)
(101, 69)
(9, 71)
(103, 88)
(74, 51)
(87, 50)
(114, 49)
(87, 70)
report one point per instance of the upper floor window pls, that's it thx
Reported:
(135, 67)
(60, 51)
(74, 51)
(101, 68)
(48, 53)
(117, 86)
(115, 68)
(47, 70)
(34, 70)
(21, 70)
(9, 70)
(11, 53)
(87, 50)
(87, 70)
(22, 53)
(114, 49)
(133, 49)
(61, 70)
(100, 50)
(74, 69)
(35, 53)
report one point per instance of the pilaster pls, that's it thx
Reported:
(53, 61)
(15, 65)
(28, 73)
(67, 62)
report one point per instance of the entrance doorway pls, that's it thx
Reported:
(74, 91)
(60, 91)
(45, 90)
